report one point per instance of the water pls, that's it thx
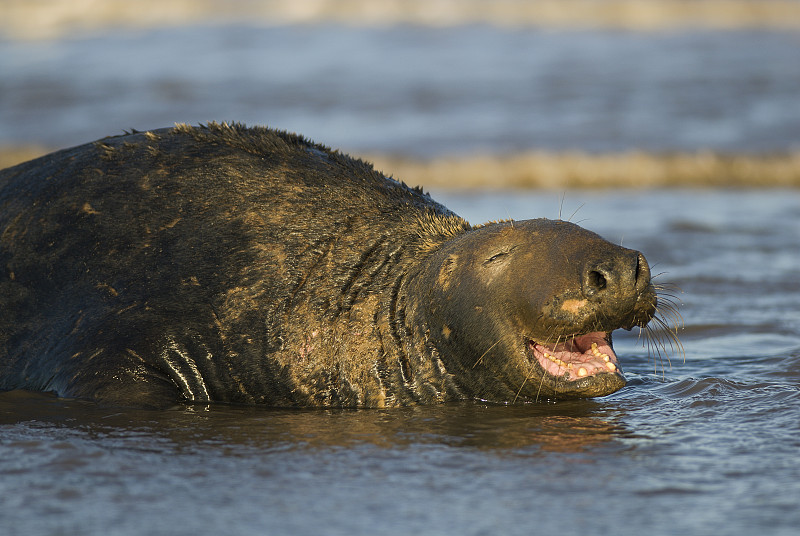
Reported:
(708, 445)
(416, 90)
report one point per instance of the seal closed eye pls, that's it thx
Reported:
(245, 265)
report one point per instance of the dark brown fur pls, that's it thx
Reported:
(245, 265)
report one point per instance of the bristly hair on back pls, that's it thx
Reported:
(255, 139)
(436, 228)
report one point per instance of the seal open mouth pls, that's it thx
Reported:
(578, 357)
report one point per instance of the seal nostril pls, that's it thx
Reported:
(597, 281)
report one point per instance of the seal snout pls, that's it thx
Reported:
(620, 275)
(620, 284)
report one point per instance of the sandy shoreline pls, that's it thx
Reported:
(615, 170)
(561, 170)
(52, 19)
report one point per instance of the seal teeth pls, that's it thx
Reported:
(598, 353)
(578, 358)
(558, 361)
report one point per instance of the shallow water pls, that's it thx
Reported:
(709, 445)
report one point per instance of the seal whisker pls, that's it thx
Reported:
(546, 342)
(662, 331)
(670, 331)
(541, 384)
(668, 289)
(654, 350)
(657, 275)
(670, 298)
(524, 381)
(662, 335)
(660, 342)
(655, 346)
(669, 311)
(665, 285)
(575, 212)
(486, 352)
(669, 292)
(560, 379)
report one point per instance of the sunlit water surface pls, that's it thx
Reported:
(709, 444)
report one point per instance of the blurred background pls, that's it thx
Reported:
(443, 93)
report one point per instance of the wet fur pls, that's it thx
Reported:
(149, 251)
(246, 265)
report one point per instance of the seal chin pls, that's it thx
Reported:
(584, 365)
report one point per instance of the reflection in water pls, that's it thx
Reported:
(562, 427)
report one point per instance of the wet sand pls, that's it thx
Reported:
(11, 156)
(559, 170)
(23, 19)
(573, 169)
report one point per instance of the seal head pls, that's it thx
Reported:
(525, 309)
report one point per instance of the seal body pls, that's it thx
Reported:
(245, 265)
